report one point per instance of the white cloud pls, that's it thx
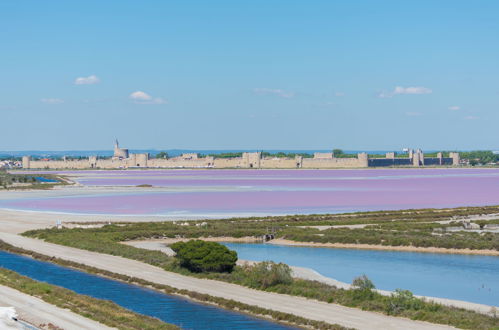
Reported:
(399, 90)
(411, 90)
(454, 107)
(339, 94)
(140, 97)
(470, 118)
(52, 101)
(90, 80)
(413, 114)
(277, 92)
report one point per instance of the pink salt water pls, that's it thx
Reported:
(244, 192)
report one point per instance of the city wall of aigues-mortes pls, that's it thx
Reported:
(123, 159)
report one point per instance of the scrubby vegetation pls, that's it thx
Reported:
(401, 303)
(363, 283)
(264, 275)
(480, 157)
(413, 227)
(201, 256)
(225, 303)
(406, 236)
(226, 155)
(29, 181)
(286, 154)
(417, 228)
(103, 311)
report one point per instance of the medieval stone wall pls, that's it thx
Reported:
(181, 162)
(269, 162)
(333, 163)
(247, 160)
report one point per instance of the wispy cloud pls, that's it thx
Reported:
(470, 118)
(454, 108)
(339, 94)
(140, 97)
(413, 114)
(276, 92)
(52, 101)
(399, 90)
(90, 80)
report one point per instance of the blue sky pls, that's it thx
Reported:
(249, 74)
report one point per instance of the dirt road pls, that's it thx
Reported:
(37, 312)
(310, 309)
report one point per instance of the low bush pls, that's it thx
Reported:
(363, 283)
(402, 300)
(408, 227)
(267, 274)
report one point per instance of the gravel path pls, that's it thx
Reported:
(38, 312)
(307, 308)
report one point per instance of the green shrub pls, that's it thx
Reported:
(267, 274)
(201, 256)
(402, 300)
(363, 283)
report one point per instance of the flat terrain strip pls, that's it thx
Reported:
(310, 309)
(37, 311)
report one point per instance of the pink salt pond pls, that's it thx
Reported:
(257, 192)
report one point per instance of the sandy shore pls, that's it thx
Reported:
(279, 241)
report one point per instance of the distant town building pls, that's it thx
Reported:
(122, 158)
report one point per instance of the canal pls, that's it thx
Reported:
(172, 309)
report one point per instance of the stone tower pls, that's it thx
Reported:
(119, 152)
(26, 161)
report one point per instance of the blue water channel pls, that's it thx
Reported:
(42, 179)
(462, 277)
(171, 309)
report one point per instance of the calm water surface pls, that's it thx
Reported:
(270, 192)
(461, 277)
(171, 309)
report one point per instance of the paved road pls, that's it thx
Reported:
(310, 309)
(36, 311)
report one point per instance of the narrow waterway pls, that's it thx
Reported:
(462, 277)
(182, 312)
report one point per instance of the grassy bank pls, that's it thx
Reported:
(417, 228)
(102, 311)
(29, 181)
(204, 298)
(107, 240)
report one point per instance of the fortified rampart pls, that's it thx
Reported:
(247, 160)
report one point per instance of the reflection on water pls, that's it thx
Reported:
(462, 277)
